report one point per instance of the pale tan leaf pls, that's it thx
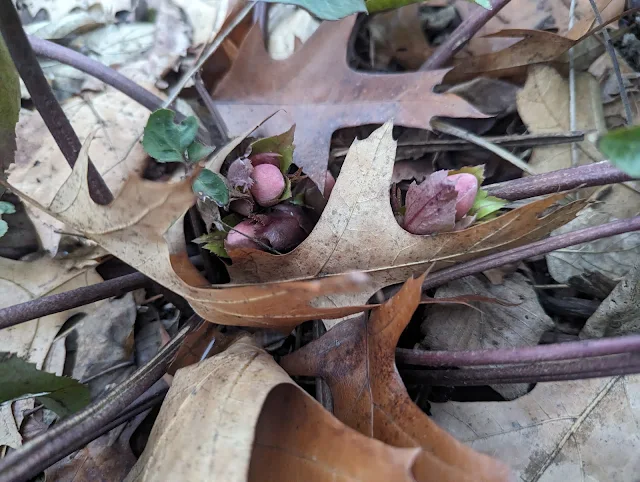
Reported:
(561, 431)
(57, 9)
(257, 426)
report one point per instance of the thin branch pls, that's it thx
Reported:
(208, 51)
(468, 136)
(572, 87)
(44, 100)
(623, 364)
(616, 65)
(74, 432)
(529, 250)
(461, 35)
(220, 135)
(527, 354)
(597, 174)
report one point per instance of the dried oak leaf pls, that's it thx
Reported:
(357, 359)
(358, 231)
(257, 425)
(132, 228)
(535, 47)
(321, 94)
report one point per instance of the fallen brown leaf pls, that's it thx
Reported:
(357, 359)
(259, 426)
(358, 231)
(132, 228)
(258, 86)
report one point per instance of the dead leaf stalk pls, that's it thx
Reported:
(460, 36)
(624, 364)
(71, 434)
(56, 121)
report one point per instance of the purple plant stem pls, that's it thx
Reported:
(566, 370)
(597, 174)
(44, 100)
(528, 354)
(461, 35)
(533, 249)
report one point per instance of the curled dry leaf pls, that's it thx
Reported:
(357, 359)
(318, 108)
(260, 426)
(358, 231)
(132, 228)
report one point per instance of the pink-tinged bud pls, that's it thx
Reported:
(272, 158)
(236, 239)
(467, 187)
(268, 184)
(242, 206)
(329, 182)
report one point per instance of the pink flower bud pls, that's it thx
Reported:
(467, 187)
(236, 239)
(268, 184)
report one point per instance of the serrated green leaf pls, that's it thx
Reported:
(217, 248)
(380, 5)
(212, 185)
(327, 9)
(19, 378)
(622, 148)
(477, 171)
(281, 144)
(197, 151)
(9, 105)
(485, 205)
(166, 141)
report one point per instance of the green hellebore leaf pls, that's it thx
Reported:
(380, 5)
(19, 378)
(622, 148)
(9, 105)
(166, 141)
(327, 9)
(281, 144)
(213, 186)
(197, 151)
(484, 205)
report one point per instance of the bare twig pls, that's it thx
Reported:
(73, 432)
(44, 100)
(221, 135)
(208, 51)
(572, 87)
(534, 249)
(526, 354)
(468, 136)
(614, 62)
(460, 36)
(597, 174)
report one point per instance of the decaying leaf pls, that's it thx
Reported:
(357, 359)
(56, 10)
(22, 281)
(570, 430)
(40, 168)
(260, 427)
(350, 99)
(612, 257)
(456, 327)
(358, 231)
(132, 228)
(19, 378)
(618, 314)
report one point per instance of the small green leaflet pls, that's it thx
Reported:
(213, 186)
(5, 208)
(19, 378)
(197, 151)
(214, 241)
(485, 205)
(380, 5)
(281, 144)
(327, 9)
(621, 147)
(166, 141)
